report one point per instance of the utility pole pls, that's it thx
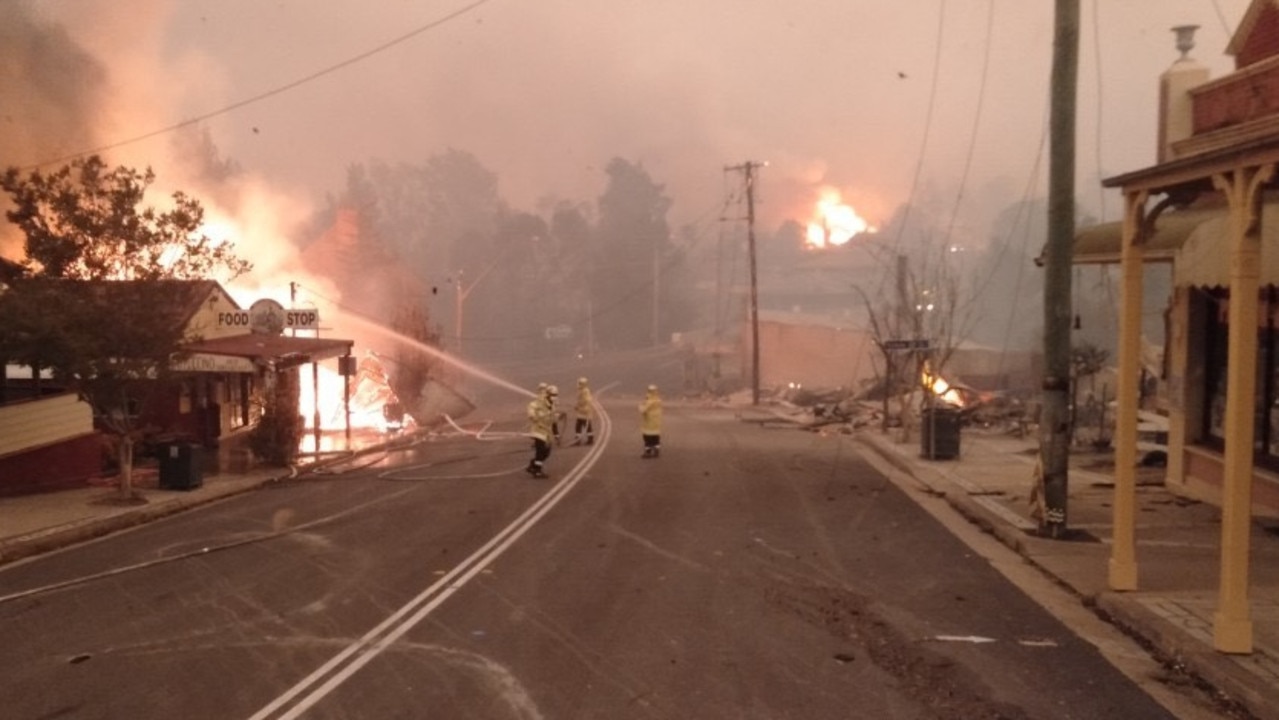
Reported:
(748, 169)
(459, 299)
(657, 290)
(463, 292)
(1054, 436)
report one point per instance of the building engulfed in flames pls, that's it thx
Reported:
(833, 223)
(372, 403)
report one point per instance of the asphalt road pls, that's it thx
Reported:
(747, 573)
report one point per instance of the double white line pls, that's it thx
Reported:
(342, 666)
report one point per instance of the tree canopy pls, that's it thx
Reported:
(634, 238)
(101, 294)
(84, 222)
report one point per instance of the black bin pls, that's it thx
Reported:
(181, 466)
(939, 433)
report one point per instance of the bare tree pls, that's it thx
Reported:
(917, 327)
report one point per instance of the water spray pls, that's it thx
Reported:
(434, 352)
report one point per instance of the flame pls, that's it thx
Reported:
(218, 233)
(834, 223)
(941, 388)
(370, 394)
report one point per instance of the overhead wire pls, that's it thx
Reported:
(1107, 287)
(1098, 75)
(1221, 17)
(269, 93)
(923, 143)
(977, 112)
(972, 138)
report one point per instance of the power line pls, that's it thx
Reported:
(1221, 17)
(269, 93)
(1096, 44)
(923, 144)
(972, 137)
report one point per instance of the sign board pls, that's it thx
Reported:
(269, 317)
(348, 366)
(206, 362)
(559, 332)
(906, 345)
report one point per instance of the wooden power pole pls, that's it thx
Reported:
(748, 169)
(1054, 435)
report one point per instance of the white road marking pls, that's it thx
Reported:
(975, 639)
(342, 666)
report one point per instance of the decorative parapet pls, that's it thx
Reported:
(1241, 97)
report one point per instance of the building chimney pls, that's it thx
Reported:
(1176, 110)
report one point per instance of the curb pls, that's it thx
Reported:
(1217, 673)
(25, 546)
(37, 543)
(970, 509)
(1172, 646)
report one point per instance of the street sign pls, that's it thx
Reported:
(906, 345)
(270, 318)
(559, 332)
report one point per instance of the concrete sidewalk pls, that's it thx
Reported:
(40, 522)
(37, 523)
(1178, 553)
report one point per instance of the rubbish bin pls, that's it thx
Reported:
(181, 466)
(939, 433)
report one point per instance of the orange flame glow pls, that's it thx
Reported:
(941, 388)
(370, 393)
(833, 222)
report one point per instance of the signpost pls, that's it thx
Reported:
(916, 344)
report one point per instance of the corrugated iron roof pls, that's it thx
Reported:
(1103, 243)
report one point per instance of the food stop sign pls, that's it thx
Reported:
(268, 317)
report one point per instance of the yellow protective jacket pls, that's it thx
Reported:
(651, 414)
(583, 406)
(540, 418)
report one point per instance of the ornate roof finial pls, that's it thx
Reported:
(1185, 39)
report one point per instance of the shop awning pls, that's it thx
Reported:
(1194, 239)
(279, 351)
(1101, 244)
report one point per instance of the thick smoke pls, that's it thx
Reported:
(49, 89)
(60, 101)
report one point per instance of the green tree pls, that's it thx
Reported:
(97, 302)
(571, 234)
(633, 241)
(462, 203)
(435, 219)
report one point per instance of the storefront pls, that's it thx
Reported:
(1210, 206)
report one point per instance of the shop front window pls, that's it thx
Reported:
(1216, 365)
(1267, 433)
(184, 397)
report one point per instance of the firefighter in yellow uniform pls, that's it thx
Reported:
(651, 422)
(583, 410)
(541, 418)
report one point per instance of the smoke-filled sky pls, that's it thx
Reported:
(884, 101)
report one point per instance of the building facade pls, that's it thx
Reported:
(1209, 206)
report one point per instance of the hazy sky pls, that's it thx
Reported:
(861, 95)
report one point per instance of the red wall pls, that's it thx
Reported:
(63, 465)
(1263, 42)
